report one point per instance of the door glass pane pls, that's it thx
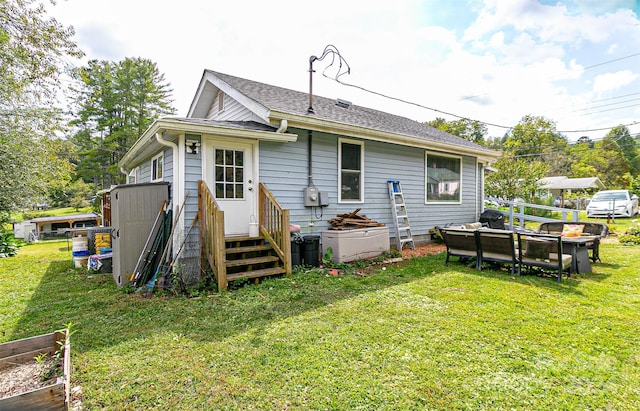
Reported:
(229, 174)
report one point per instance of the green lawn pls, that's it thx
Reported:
(419, 335)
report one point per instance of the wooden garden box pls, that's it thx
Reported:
(52, 397)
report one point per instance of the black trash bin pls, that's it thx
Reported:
(493, 218)
(311, 250)
(296, 250)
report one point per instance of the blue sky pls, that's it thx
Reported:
(574, 62)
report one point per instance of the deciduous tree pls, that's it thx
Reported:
(33, 49)
(515, 178)
(536, 138)
(471, 130)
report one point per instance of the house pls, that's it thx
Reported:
(558, 186)
(311, 157)
(55, 226)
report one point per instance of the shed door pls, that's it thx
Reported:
(231, 180)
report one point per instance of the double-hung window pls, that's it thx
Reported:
(351, 170)
(443, 176)
(157, 167)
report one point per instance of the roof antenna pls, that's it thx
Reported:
(330, 49)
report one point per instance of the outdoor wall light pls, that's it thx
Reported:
(192, 146)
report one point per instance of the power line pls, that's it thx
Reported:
(612, 61)
(336, 56)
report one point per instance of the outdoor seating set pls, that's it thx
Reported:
(558, 247)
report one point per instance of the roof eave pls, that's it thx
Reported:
(333, 127)
(175, 126)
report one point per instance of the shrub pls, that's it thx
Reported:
(631, 236)
(8, 244)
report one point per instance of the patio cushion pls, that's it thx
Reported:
(572, 230)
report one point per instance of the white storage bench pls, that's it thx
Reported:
(356, 244)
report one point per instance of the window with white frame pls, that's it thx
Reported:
(443, 175)
(157, 167)
(134, 175)
(351, 170)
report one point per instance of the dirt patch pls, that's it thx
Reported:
(422, 250)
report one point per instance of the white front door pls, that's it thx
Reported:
(230, 176)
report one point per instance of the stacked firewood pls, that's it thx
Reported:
(352, 220)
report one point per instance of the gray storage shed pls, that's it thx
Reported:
(134, 208)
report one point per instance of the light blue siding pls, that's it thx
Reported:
(283, 168)
(145, 172)
(193, 173)
(232, 111)
(167, 164)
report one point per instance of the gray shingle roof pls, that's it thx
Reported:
(241, 125)
(296, 102)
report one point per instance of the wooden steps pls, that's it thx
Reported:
(251, 261)
(250, 257)
(265, 272)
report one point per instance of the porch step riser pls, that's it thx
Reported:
(250, 257)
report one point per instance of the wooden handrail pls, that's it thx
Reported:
(274, 223)
(211, 225)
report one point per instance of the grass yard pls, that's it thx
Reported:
(420, 335)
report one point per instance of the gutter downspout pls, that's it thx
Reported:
(283, 126)
(310, 157)
(177, 189)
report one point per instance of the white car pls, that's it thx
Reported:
(616, 203)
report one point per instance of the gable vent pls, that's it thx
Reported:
(343, 103)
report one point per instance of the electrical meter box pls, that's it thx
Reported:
(315, 198)
(311, 197)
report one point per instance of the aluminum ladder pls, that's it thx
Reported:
(400, 215)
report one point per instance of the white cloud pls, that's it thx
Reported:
(613, 81)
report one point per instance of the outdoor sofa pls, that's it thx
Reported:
(517, 250)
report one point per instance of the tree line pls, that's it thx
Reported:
(534, 149)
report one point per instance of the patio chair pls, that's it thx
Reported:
(543, 251)
(497, 246)
(461, 243)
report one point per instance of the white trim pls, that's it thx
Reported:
(426, 166)
(171, 126)
(210, 142)
(479, 190)
(179, 175)
(362, 163)
(154, 167)
(134, 176)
